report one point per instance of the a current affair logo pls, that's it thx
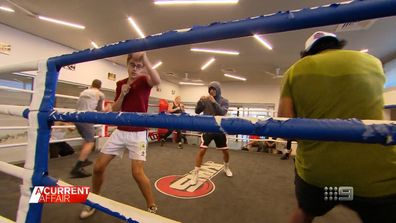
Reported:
(180, 187)
(59, 194)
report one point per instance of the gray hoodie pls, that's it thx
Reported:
(220, 107)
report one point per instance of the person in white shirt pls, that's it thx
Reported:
(90, 99)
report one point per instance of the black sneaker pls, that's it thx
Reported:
(162, 142)
(79, 173)
(86, 163)
(180, 146)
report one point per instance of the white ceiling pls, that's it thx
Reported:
(106, 22)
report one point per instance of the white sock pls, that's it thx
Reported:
(196, 168)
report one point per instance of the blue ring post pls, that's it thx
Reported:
(40, 169)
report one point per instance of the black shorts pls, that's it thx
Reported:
(311, 199)
(219, 138)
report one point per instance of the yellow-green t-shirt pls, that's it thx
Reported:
(341, 84)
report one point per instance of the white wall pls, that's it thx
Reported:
(261, 93)
(26, 47)
(390, 71)
(192, 93)
(236, 93)
(166, 90)
(390, 96)
(252, 93)
(390, 92)
(390, 67)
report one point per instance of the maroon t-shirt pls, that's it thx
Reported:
(135, 101)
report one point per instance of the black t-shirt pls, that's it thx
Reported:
(178, 110)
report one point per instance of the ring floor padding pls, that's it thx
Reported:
(261, 190)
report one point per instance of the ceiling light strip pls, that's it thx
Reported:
(186, 2)
(262, 41)
(235, 77)
(155, 66)
(364, 50)
(94, 44)
(73, 25)
(207, 64)
(136, 27)
(228, 52)
(22, 9)
(190, 83)
(4, 8)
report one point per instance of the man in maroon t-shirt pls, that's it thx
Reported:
(132, 95)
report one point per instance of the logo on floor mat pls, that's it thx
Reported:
(180, 187)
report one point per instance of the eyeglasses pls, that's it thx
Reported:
(136, 66)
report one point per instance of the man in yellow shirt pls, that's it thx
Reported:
(329, 83)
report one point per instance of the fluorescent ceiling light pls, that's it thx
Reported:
(235, 77)
(4, 8)
(136, 27)
(215, 51)
(157, 65)
(190, 83)
(186, 2)
(262, 41)
(207, 64)
(94, 44)
(61, 22)
(364, 50)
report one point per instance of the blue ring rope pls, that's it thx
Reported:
(352, 130)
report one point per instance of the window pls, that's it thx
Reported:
(20, 81)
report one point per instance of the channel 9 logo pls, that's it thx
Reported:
(342, 193)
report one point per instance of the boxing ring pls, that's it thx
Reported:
(41, 113)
